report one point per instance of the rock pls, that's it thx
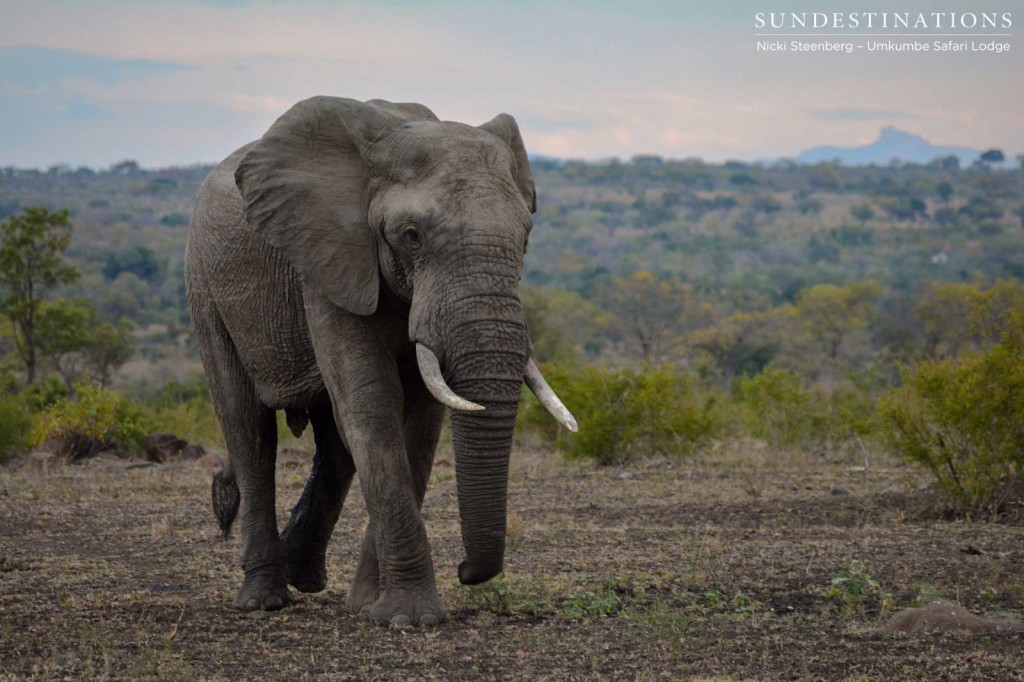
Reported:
(37, 461)
(625, 476)
(193, 451)
(109, 459)
(839, 490)
(942, 617)
(161, 447)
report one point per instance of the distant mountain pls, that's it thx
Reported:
(891, 143)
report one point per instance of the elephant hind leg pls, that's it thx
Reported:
(314, 516)
(250, 431)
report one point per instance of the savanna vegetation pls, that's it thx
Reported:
(802, 385)
(817, 308)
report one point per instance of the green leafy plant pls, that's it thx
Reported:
(95, 419)
(926, 594)
(626, 412)
(720, 602)
(962, 418)
(507, 596)
(15, 426)
(598, 604)
(193, 420)
(779, 407)
(44, 393)
(854, 586)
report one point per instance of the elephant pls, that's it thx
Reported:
(358, 267)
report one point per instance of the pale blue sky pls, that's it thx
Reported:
(177, 82)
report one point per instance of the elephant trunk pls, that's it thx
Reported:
(486, 357)
(482, 446)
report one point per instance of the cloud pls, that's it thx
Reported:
(264, 104)
(860, 114)
(191, 80)
(34, 67)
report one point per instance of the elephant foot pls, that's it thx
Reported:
(263, 592)
(361, 595)
(408, 607)
(307, 574)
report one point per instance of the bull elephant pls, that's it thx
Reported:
(358, 268)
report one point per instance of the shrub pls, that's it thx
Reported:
(193, 420)
(94, 419)
(854, 586)
(625, 412)
(779, 408)
(963, 418)
(15, 427)
(45, 393)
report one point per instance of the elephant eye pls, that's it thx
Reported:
(411, 238)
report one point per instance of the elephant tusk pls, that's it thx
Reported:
(430, 370)
(546, 396)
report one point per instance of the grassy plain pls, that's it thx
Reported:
(716, 567)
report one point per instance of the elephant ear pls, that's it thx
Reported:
(303, 189)
(504, 127)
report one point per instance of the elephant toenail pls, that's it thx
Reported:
(401, 619)
(273, 603)
(429, 619)
(252, 604)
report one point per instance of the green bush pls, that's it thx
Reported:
(44, 393)
(193, 420)
(963, 418)
(626, 412)
(94, 419)
(778, 407)
(15, 427)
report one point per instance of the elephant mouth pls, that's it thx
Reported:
(430, 370)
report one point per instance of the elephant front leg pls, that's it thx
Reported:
(357, 358)
(365, 589)
(406, 591)
(422, 429)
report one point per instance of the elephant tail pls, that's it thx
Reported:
(226, 498)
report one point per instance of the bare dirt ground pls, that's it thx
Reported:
(718, 567)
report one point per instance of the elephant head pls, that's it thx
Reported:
(356, 193)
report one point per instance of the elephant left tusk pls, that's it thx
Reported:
(430, 370)
(547, 397)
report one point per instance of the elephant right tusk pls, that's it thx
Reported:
(548, 398)
(430, 370)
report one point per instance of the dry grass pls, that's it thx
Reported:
(711, 568)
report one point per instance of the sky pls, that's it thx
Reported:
(182, 82)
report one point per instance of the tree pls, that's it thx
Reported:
(652, 313)
(863, 213)
(992, 156)
(741, 343)
(943, 311)
(77, 341)
(945, 191)
(831, 312)
(111, 346)
(62, 333)
(564, 326)
(32, 262)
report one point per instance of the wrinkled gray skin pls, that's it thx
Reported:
(317, 258)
